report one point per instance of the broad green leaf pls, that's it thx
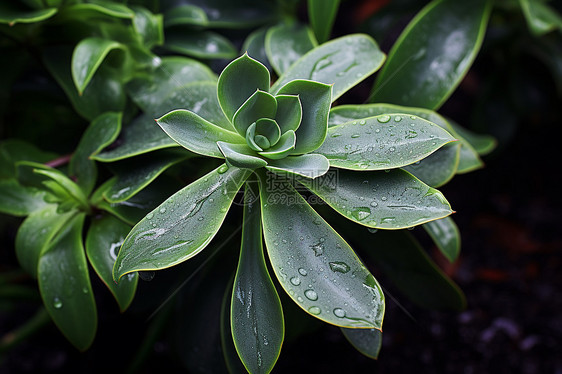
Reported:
(322, 14)
(282, 148)
(254, 46)
(18, 200)
(315, 101)
(366, 341)
(135, 174)
(65, 285)
(433, 54)
(256, 315)
(35, 234)
(314, 265)
(446, 235)
(103, 241)
(240, 14)
(240, 156)
(195, 133)
(152, 89)
(148, 26)
(343, 62)
(238, 81)
(185, 15)
(13, 150)
(439, 167)
(87, 58)
(482, 144)
(101, 133)
(200, 44)
(11, 14)
(141, 136)
(382, 142)
(104, 92)
(260, 105)
(405, 263)
(106, 8)
(468, 159)
(181, 226)
(309, 166)
(136, 207)
(377, 199)
(540, 17)
(289, 112)
(286, 43)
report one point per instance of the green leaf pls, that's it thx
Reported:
(309, 166)
(439, 167)
(151, 90)
(482, 144)
(18, 200)
(106, 8)
(65, 285)
(238, 81)
(149, 27)
(103, 241)
(200, 44)
(342, 62)
(185, 15)
(11, 14)
(315, 101)
(433, 54)
(289, 112)
(382, 142)
(240, 156)
(183, 225)
(286, 43)
(366, 341)
(35, 234)
(377, 199)
(135, 174)
(254, 46)
(141, 136)
(256, 314)
(13, 150)
(468, 159)
(540, 17)
(282, 148)
(314, 265)
(322, 14)
(195, 133)
(260, 105)
(87, 58)
(104, 92)
(446, 235)
(102, 132)
(405, 263)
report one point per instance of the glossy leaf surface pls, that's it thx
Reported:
(105, 8)
(366, 341)
(289, 112)
(185, 15)
(286, 43)
(439, 167)
(343, 62)
(315, 101)
(322, 14)
(103, 241)
(11, 14)
(315, 266)
(309, 165)
(482, 144)
(446, 235)
(65, 285)
(200, 44)
(540, 17)
(18, 200)
(181, 226)
(195, 133)
(392, 200)
(240, 155)
(35, 233)
(87, 57)
(256, 313)
(432, 54)
(240, 80)
(254, 46)
(260, 105)
(283, 148)
(148, 26)
(382, 142)
(101, 132)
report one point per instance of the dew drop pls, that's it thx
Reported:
(392, 149)
(339, 267)
(355, 136)
(303, 272)
(300, 299)
(84, 290)
(222, 169)
(200, 218)
(362, 122)
(374, 204)
(339, 312)
(57, 303)
(311, 295)
(149, 215)
(295, 281)
(314, 310)
(383, 119)
(397, 119)
(162, 210)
